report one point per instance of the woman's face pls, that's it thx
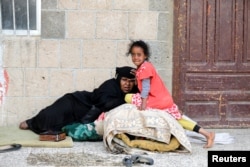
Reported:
(127, 84)
(138, 56)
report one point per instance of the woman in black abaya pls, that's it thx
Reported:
(84, 106)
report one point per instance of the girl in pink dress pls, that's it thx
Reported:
(153, 93)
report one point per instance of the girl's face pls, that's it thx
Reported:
(138, 56)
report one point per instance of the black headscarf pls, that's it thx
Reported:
(124, 72)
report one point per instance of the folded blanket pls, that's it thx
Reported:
(152, 124)
(148, 144)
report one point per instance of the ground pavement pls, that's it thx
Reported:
(94, 154)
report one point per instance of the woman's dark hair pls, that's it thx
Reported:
(140, 44)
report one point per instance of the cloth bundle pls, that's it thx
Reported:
(83, 132)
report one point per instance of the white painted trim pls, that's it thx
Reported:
(25, 32)
(38, 18)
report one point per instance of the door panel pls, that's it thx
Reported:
(212, 61)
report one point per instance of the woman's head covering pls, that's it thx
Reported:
(124, 72)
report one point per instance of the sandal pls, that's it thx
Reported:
(12, 147)
(128, 161)
(142, 159)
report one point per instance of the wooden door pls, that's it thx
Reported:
(211, 82)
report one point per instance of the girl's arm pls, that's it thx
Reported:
(144, 93)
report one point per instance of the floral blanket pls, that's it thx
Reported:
(151, 124)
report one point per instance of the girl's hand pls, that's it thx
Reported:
(133, 71)
(143, 104)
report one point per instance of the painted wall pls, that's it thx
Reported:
(81, 43)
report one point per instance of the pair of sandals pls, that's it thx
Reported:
(128, 161)
(11, 147)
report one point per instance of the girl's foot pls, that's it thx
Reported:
(23, 125)
(210, 140)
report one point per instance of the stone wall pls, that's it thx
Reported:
(81, 43)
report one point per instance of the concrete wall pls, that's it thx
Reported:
(81, 43)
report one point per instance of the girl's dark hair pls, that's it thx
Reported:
(140, 44)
